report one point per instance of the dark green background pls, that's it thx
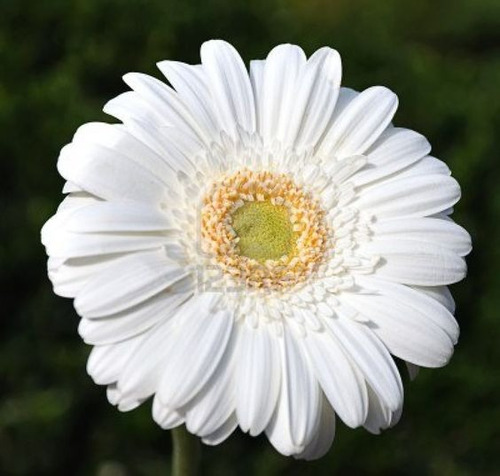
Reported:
(61, 60)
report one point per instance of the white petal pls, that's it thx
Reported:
(126, 283)
(338, 171)
(346, 96)
(57, 223)
(409, 197)
(324, 434)
(216, 401)
(444, 215)
(441, 294)
(106, 362)
(416, 263)
(118, 217)
(396, 416)
(281, 71)
(379, 416)
(108, 174)
(130, 107)
(340, 380)
(195, 354)
(70, 187)
(393, 151)
(131, 322)
(77, 245)
(62, 243)
(77, 200)
(180, 150)
(428, 165)
(315, 97)
(360, 124)
(166, 417)
(124, 404)
(421, 302)
(129, 405)
(257, 378)
(444, 233)
(292, 425)
(117, 138)
(257, 79)
(70, 275)
(166, 101)
(222, 433)
(141, 375)
(407, 332)
(412, 370)
(176, 145)
(190, 82)
(371, 357)
(230, 86)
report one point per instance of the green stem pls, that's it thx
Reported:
(186, 454)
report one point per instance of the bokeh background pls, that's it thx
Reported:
(60, 60)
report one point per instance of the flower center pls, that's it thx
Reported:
(263, 229)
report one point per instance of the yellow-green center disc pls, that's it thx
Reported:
(264, 230)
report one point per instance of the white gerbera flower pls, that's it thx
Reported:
(252, 249)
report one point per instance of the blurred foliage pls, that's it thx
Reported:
(60, 60)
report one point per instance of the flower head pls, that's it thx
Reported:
(253, 249)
